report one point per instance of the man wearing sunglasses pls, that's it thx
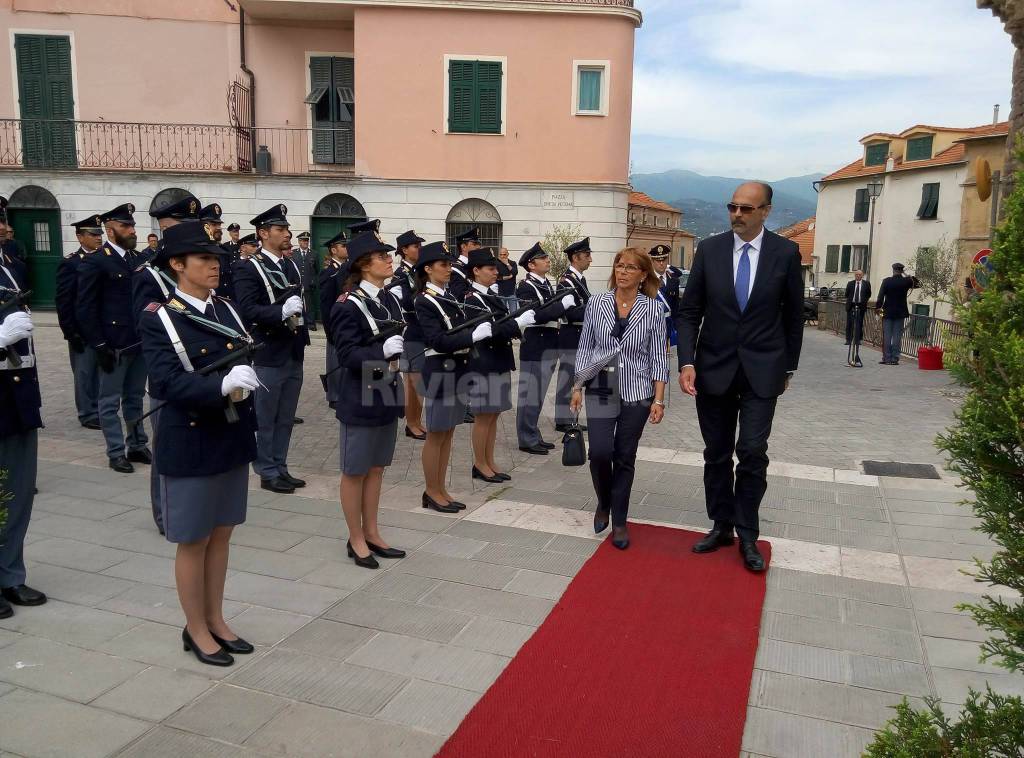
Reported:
(740, 329)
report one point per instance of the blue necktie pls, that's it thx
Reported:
(743, 278)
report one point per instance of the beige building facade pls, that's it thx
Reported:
(652, 222)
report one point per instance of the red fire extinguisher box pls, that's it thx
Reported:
(929, 358)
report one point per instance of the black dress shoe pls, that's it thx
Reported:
(752, 557)
(92, 424)
(22, 595)
(220, 658)
(121, 465)
(547, 445)
(478, 474)
(367, 562)
(600, 521)
(714, 539)
(457, 505)
(469, 418)
(5, 609)
(298, 420)
(620, 537)
(410, 433)
(503, 476)
(294, 482)
(238, 646)
(429, 502)
(534, 449)
(142, 455)
(385, 552)
(277, 484)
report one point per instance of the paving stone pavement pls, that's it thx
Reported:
(860, 609)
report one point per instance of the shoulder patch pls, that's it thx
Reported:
(177, 305)
(153, 307)
(141, 266)
(342, 297)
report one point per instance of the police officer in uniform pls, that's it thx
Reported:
(539, 351)
(83, 358)
(308, 265)
(206, 437)
(370, 399)
(10, 253)
(107, 320)
(669, 294)
(569, 329)
(260, 282)
(403, 285)
(231, 246)
(467, 241)
(19, 424)
(331, 281)
(247, 247)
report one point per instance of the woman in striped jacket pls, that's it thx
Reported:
(623, 363)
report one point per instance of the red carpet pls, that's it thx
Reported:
(648, 653)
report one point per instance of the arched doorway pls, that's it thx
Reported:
(473, 212)
(35, 218)
(160, 199)
(332, 214)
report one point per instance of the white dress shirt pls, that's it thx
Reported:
(753, 254)
(195, 302)
(119, 250)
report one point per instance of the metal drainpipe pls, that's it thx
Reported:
(252, 84)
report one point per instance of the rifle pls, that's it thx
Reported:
(287, 292)
(226, 362)
(391, 329)
(17, 299)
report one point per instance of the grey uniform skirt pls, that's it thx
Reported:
(490, 393)
(443, 412)
(414, 363)
(194, 505)
(364, 447)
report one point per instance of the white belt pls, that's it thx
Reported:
(27, 361)
(541, 326)
(432, 352)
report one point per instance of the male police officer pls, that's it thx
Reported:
(247, 246)
(231, 246)
(458, 285)
(10, 253)
(83, 357)
(570, 328)
(539, 349)
(668, 288)
(107, 320)
(892, 303)
(307, 263)
(260, 282)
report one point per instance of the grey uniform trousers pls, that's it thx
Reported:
(122, 390)
(534, 380)
(18, 455)
(87, 379)
(275, 416)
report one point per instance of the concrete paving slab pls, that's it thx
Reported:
(284, 595)
(73, 624)
(228, 713)
(434, 708)
(398, 617)
(328, 639)
(153, 694)
(164, 742)
(485, 602)
(494, 636)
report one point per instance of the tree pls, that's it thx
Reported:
(986, 448)
(555, 241)
(935, 267)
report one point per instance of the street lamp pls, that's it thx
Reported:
(874, 190)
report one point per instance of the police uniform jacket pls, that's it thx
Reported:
(231, 248)
(255, 297)
(104, 308)
(572, 319)
(892, 296)
(330, 287)
(543, 336)
(437, 313)
(20, 399)
(369, 393)
(403, 286)
(16, 268)
(149, 285)
(669, 287)
(458, 285)
(494, 355)
(194, 436)
(67, 294)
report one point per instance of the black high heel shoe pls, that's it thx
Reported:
(238, 646)
(385, 552)
(600, 521)
(220, 658)
(478, 474)
(369, 562)
(504, 477)
(409, 433)
(620, 537)
(429, 502)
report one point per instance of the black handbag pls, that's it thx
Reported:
(574, 449)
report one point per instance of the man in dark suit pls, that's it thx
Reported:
(858, 292)
(892, 305)
(740, 331)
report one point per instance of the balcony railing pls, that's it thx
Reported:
(918, 331)
(204, 148)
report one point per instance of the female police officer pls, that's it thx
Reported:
(370, 398)
(491, 363)
(207, 431)
(443, 370)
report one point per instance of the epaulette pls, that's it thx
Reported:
(153, 307)
(141, 266)
(342, 297)
(177, 305)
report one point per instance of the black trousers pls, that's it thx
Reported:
(733, 501)
(613, 430)
(850, 321)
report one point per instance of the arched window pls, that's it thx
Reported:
(167, 196)
(31, 196)
(339, 205)
(474, 212)
(34, 216)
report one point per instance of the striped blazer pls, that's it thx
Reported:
(642, 353)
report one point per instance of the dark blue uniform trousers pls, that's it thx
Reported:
(122, 390)
(275, 416)
(87, 379)
(534, 380)
(18, 454)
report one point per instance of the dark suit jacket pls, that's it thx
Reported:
(765, 339)
(892, 296)
(103, 309)
(865, 294)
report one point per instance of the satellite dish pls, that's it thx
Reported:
(983, 177)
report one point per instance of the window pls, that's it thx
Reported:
(41, 232)
(844, 264)
(590, 88)
(475, 100)
(920, 148)
(876, 155)
(861, 205)
(832, 259)
(332, 103)
(929, 201)
(470, 213)
(860, 255)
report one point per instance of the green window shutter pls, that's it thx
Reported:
(929, 201)
(461, 95)
(488, 80)
(343, 98)
(920, 149)
(876, 155)
(832, 259)
(844, 265)
(320, 84)
(861, 206)
(29, 52)
(45, 92)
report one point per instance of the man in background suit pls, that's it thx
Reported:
(740, 331)
(858, 292)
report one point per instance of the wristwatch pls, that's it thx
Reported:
(659, 402)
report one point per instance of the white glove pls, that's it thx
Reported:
(15, 328)
(393, 346)
(494, 288)
(526, 319)
(482, 332)
(239, 378)
(568, 301)
(292, 307)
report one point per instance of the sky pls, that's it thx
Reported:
(778, 88)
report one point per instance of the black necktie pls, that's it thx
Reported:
(209, 312)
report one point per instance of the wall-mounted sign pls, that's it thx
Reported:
(982, 269)
(558, 200)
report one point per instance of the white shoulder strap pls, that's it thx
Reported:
(263, 276)
(234, 314)
(540, 297)
(440, 309)
(175, 339)
(159, 281)
(370, 320)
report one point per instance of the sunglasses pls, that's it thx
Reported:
(744, 209)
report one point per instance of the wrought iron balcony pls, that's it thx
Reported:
(201, 148)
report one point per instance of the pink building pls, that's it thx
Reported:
(429, 114)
